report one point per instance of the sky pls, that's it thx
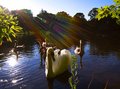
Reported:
(54, 6)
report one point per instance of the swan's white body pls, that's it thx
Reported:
(59, 64)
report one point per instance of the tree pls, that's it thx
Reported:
(8, 25)
(63, 14)
(43, 11)
(79, 19)
(113, 11)
(79, 16)
(93, 13)
(27, 11)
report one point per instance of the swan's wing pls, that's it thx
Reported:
(62, 61)
(56, 52)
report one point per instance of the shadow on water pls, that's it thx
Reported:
(104, 46)
(101, 58)
(62, 79)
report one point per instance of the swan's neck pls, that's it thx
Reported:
(80, 43)
(49, 66)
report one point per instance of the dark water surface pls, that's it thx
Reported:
(99, 66)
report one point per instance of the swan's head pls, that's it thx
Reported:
(44, 44)
(50, 52)
(77, 50)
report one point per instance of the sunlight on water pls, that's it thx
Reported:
(3, 81)
(25, 70)
(12, 61)
(16, 80)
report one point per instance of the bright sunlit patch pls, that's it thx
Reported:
(1, 80)
(15, 4)
(16, 80)
(12, 61)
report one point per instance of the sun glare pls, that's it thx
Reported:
(15, 4)
(12, 61)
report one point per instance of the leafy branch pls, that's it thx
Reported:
(73, 80)
(8, 25)
(112, 11)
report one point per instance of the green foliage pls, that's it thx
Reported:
(113, 11)
(117, 2)
(8, 25)
(102, 12)
(73, 80)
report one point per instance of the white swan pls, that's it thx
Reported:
(56, 62)
(78, 49)
(44, 44)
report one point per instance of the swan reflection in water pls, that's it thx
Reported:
(63, 79)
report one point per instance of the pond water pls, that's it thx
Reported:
(98, 67)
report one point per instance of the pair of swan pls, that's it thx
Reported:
(57, 61)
